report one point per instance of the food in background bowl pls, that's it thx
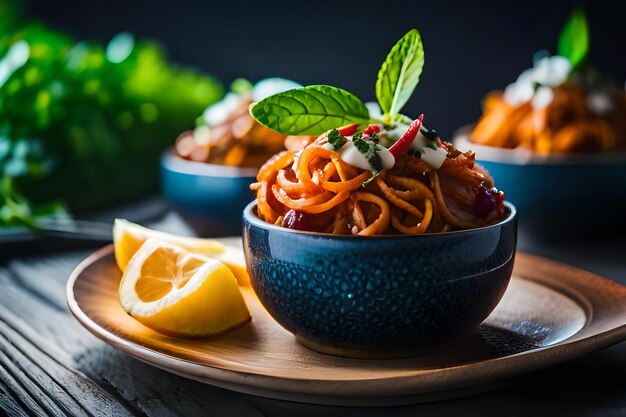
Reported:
(560, 105)
(228, 135)
(207, 174)
(558, 197)
(377, 239)
(555, 140)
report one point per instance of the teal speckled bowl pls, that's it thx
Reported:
(210, 197)
(379, 296)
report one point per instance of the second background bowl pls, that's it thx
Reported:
(210, 197)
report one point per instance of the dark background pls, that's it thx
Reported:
(471, 47)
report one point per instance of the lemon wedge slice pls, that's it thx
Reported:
(128, 238)
(179, 293)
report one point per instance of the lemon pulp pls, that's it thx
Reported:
(176, 292)
(128, 238)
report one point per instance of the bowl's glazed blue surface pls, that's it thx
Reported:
(390, 293)
(211, 197)
(563, 198)
(558, 196)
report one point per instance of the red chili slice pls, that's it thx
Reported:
(403, 144)
(348, 130)
(371, 129)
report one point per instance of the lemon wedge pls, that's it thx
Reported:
(179, 293)
(128, 238)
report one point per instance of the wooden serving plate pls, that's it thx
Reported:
(550, 313)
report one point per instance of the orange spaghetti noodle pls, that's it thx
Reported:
(566, 125)
(316, 190)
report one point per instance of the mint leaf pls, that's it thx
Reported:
(574, 38)
(310, 110)
(401, 118)
(336, 139)
(400, 73)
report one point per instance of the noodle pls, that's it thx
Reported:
(381, 223)
(568, 124)
(317, 190)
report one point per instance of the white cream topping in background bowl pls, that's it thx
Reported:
(547, 72)
(219, 112)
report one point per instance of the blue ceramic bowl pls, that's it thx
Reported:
(558, 196)
(210, 197)
(379, 296)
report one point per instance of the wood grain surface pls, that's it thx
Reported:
(50, 365)
(550, 313)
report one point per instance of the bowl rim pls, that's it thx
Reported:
(175, 163)
(518, 156)
(250, 216)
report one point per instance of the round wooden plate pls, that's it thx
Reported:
(549, 314)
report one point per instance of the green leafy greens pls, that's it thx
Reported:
(84, 122)
(313, 110)
(574, 38)
(16, 210)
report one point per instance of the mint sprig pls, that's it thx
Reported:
(574, 38)
(310, 110)
(399, 74)
(313, 110)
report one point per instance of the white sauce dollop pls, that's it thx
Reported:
(392, 136)
(543, 96)
(548, 72)
(419, 143)
(600, 103)
(434, 158)
(351, 155)
(517, 93)
(270, 86)
(219, 112)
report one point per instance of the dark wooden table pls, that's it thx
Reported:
(51, 366)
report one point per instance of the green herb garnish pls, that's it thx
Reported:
(369, 149)
(336, 139)
(574, 38)
(316, 109)
(431, 135)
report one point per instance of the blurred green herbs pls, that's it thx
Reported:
(85, 123)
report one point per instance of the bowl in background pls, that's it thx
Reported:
(384, 296)
(558, 196)
(210, 197)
